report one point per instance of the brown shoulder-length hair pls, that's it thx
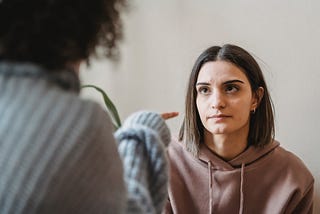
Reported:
(53, 33)
(261, 130)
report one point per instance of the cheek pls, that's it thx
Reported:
(245, 116)
(242, 109)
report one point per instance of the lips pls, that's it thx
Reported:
(218, 116)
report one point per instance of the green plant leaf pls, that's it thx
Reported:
(109, 104)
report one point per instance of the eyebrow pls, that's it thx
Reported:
(225, 83)
(233, 81)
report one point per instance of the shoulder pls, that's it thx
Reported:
(176, 147)
(97, 126)
(179, 156)
(293, 166)
(290, 159)
(84, 123)
(87, 114)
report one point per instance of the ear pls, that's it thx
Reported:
(256, 98)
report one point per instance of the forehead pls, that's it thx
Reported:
(220, 71)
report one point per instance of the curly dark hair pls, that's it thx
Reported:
(53, 33)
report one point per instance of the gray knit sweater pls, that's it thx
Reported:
(58, 153)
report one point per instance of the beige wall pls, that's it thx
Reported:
(163, 38)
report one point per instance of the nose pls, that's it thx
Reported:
(217, 100)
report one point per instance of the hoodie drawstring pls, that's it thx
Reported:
(210, 187)
(241, 189)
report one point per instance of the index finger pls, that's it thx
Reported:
(168, 115)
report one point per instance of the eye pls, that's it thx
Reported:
(231, 88)
(203, 90)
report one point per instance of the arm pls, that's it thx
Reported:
(305, 205)
(142, 140)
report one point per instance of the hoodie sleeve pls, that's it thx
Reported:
(141, 144)
(302, 204)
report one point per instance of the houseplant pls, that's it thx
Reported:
(112, 110)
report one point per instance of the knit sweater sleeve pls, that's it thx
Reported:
(141, 144)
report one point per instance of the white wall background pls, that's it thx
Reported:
(164, 37)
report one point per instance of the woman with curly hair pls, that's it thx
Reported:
(57, 152)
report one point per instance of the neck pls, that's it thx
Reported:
(225, 145)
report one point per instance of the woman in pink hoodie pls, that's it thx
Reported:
(226, 159)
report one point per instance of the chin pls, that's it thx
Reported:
(218, 131)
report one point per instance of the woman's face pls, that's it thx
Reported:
(224, 98)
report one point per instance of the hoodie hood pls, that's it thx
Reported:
(249, 156)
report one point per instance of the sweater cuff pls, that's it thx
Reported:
(151, 120)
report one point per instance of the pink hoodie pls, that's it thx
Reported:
(267, 180)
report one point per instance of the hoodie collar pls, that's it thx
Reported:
(251, 154)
